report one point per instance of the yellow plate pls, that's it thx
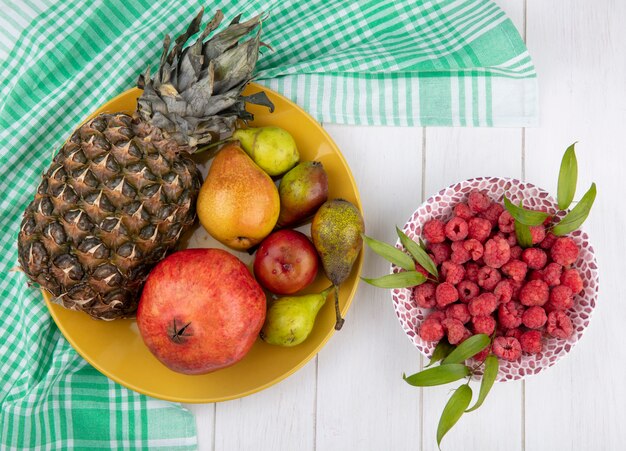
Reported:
(115, 348)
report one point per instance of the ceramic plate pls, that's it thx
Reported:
(116, 349)
(440, 206)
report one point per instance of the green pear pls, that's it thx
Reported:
(336, 231)
(289, 320)
(273, 149)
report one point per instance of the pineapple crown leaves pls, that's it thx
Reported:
(195, 96)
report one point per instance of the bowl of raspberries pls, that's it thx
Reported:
(534, 301)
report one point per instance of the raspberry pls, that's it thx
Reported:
(564, 251)
(483, 305)
(516, 252)
(492, 214)
(551, 274)
(471, 272)
(515, 332)
(468, 290)
(445, 293)
(503, 292)
(506, 222)
(484, 324)
(456, 229)
(466, 334)
(479, 229)
(507, 348)
(437, 315)
(531, 342)
(559, 324)
(510, 315)
(517, 287)
(535, 292)
(510, 238)
(535, 258)
(497, 252)
(482, 355)
(474, 247)
(488, 278)
(534, 317)
(419, 268)
(434, 231)
(440, 252)
(571, 278)
(458, 311)
(463, 211)
(431, 330)
(561, 298)
(515, 269)
(538, 233)
(452, 272)
(424, 295)
(478, 201)
(460, 255)
(548, 241)
(455, 329)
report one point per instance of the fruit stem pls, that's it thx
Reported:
(325, 292)
(253, 249)
(177, 333)
(339, 322)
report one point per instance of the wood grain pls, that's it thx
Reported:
(578, 404)
(280, 417)
(362, 401)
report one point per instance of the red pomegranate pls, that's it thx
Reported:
(200, 310)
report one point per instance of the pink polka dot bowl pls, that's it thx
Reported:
(440, 206)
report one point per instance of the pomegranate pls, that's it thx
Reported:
(200, 310)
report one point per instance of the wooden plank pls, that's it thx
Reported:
(578, 404)
(515, 10)
(205, 424)
(453, 155)
(362, 401)
(280, 417)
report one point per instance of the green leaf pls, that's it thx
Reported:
(402, 279)
(577, 215)
(390, 253)
(489, 377)
(453, 410)
(438, 375)
(568, 177)
(418, 253)
(521, 214)
(441, 351)
(473, 345)
(524, 237)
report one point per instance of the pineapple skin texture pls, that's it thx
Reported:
(114, 202)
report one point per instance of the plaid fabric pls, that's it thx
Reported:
(367, 62)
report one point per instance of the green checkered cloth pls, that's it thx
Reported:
(377, 62)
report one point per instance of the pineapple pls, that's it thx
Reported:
(122, 189)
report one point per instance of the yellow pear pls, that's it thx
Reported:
(238, 203)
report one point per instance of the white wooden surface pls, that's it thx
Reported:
(351, 396)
